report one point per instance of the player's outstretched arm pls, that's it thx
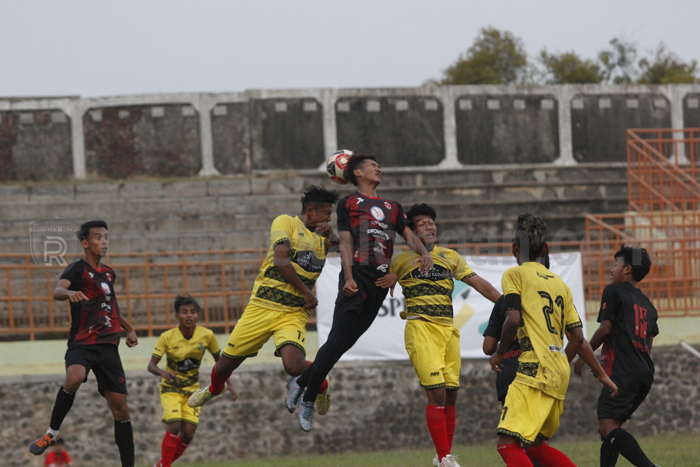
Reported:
(61, 292)
(284, 266)
(510, 329)
(325, 230)
(483, 286)
(346, 259)
(602, 333)
(131, 339)
(414, 243)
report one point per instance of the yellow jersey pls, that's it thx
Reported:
(308, 256)
(429, 295)
(547, 311)
(184, 356)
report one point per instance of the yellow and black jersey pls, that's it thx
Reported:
(307, 252)
(184, 356)
(547, 312)
(429, 295)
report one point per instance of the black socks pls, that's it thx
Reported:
(64, 401)
(621, 441)
(124, 436)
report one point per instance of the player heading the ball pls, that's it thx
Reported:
(368, 226)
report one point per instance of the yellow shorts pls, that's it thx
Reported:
(434, 352)
(529, 413)
(175, 408)
(257, 325)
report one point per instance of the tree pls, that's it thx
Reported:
(568, 67)
(619, 62)
(666, 68)
(495, 58)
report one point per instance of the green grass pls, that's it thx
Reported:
(676, 451)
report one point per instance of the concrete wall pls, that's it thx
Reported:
(376, 406)
(230, 133)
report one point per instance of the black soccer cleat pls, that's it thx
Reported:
(42, 444)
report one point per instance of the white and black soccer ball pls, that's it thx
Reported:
(336, 165)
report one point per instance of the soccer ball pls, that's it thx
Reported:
(336, 165)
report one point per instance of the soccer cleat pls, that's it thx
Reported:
(294, 392)
(201, 397)
(306, 410)
(436, 461)
(40, 445)
(449, 461)
(323, 402)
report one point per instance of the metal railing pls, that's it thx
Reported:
(146, 286)
(664, 218)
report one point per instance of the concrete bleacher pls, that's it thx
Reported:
(236, 212)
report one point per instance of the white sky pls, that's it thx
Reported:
(100, 48)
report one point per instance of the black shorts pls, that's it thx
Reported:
(104, 361)
(631, 392)
(368, 299)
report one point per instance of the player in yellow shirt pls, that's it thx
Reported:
(281, 298)
(184, 348)
(432, 341)
(540, 309)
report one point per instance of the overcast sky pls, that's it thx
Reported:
(98, 48)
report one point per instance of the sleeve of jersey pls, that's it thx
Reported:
(493, 329)
(400, 220)
(607, 304)
(462, 269)
(73, 273)
(343, 216)
(281, 230)
(512, 289)
(213, 347)
(572, 319)
(161, 347)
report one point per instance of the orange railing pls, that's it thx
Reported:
(146, 286)
(663, 217)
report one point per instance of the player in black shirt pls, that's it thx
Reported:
(94, 339)
(628, 325)
(368, 226)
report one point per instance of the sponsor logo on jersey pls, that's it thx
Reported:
(383, 267)
(91, 275)
(359, 200)
(435, 373)
(554, 348)
(377, 213)
(106, 307)
(379, 247)
(545, 276)
(378, 234)
(108, 276)
(201, 346)
(105, 288)
(388, 205)
(108, 322)
(379, 224)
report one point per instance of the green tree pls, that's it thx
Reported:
(666, 68)
(619, 62)
(496, 57)
(568, 67)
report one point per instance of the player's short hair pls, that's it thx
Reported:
(181, 300)
(355, 162)
(317, 195)
(84, 231)
(638, 258)
(531, 234)
(421, 209)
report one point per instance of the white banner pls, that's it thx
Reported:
(385, 338)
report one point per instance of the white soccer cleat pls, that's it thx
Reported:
(448, 461)
(436, 461)
(306, 411)
(201, 397)
(294, 392)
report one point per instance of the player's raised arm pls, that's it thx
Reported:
(414, 243)
(483, 286)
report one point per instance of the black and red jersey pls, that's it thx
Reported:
(626, 350)
(510, 359)
(373, 223)
(95, 320)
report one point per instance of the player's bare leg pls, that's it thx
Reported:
(75, 375)
(219, 374)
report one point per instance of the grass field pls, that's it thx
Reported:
(678, 451)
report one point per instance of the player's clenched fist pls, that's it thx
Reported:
(77, 296)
